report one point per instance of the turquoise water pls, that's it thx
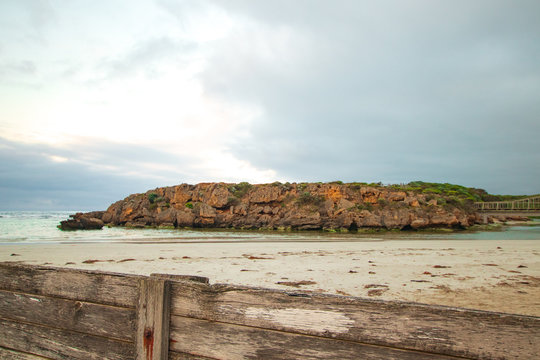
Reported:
(33, 227)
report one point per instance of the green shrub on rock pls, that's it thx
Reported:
(241, 189)
(152, 197)
(308, 199)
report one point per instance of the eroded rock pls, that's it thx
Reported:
(80, 221)
(278, 206)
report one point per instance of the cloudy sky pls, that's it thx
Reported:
(100, 99)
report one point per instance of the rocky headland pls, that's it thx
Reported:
(304, 206)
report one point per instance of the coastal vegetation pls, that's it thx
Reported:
(306, 198)
(240, 189)
(454, 191)
(152, 197)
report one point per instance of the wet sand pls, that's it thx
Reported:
(502, 275)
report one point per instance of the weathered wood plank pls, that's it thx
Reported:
(153, 313)
(175, 277)
(90, 318)
(90, 286)
(228, 341)
(8, 354)
(61, 344)
(183, 356)
(436, 329)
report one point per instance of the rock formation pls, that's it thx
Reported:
(83, 221)
(304, 206)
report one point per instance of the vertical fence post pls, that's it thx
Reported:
(153, 317)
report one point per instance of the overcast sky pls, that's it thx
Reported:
(100, 99)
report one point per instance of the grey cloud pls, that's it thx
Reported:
(97, 174)
(23, 67)
(27, 21)
(181, 10)
(146, 56)
(41, 14)
(391, 91)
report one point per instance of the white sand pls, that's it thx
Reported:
(489, 275)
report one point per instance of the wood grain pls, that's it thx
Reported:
(90, 286)
(66, 313)
(228, 341)
(8, 354)
(434, 329)
(183, 356)
(90, 318)
(61, 344)
(175, 277)
(153, 313)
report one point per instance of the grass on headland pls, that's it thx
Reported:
(451, 191)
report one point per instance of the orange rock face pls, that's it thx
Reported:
(370, 195)
(265, 194)
(283, 206)
(180, 196)
(334, 193)
(217, 196)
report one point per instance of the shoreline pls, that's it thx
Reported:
(495, 275)
(495, 226)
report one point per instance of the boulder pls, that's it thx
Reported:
(90, 223)
(265, 194)
(419, 223)
(327, 208)
(94, 214)
(240, 210)
(167, 216)
(411, 201)
(443, 219)
(368, 219)
(185, 218)
(396, 196)
(217, 196)
(345, 204)
(80, 221)
(395, 218)
(206, 211)
(369, 194)
(180, 195)
(302, 219)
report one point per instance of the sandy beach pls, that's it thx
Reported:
(501, 276)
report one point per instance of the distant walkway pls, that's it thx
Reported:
(526, 205)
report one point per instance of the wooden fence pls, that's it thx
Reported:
(55, 313)
(523, 205)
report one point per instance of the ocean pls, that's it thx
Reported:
(39, 227)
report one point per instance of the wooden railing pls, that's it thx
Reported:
(526, 204)
(54, 313)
